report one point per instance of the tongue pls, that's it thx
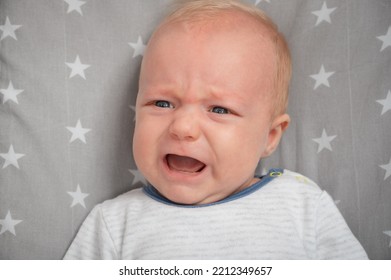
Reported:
(184, 164)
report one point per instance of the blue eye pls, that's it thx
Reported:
(219, 110)
(163, 104)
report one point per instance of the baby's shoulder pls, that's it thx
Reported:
(299, 179)
(123, 204)
(288, 183)
(292, 192)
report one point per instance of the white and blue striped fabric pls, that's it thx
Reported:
(283, 217)
(68, 84)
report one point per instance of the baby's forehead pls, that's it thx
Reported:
(215, 20)
(257, 35)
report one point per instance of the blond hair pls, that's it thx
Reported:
(202, 10)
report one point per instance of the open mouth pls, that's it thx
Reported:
(184, 164)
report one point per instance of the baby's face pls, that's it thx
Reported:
(204, 112)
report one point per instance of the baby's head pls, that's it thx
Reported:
(212, 98)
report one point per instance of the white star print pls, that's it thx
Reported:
(388, 233)
(336, 202)
(78, 132)
(78, 197)
(8, 224)
(386, 103)
(138, 47)
(386, 39)
(387, 168)
(259, 1)
(324, 141)
(77, 68)
(322, 78)
(323, 14)
(11, 158)
(10, 93)
(75, 5)
(8, 29)
(133, 108)
(137, 177)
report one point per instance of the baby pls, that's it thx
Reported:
(212, 99)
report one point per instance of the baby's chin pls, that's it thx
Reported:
(184, 196)
(199, 193)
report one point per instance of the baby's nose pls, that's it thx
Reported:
(185, 125)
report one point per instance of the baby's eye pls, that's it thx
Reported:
(220, 110)
(163, 104)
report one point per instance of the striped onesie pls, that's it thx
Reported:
(283, 216)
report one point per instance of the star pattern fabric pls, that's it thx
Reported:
(386, 39)
(75, 5)
(11, 158)
(77, 68)
(78, 197)
(322, 78)
(323, 14)
(324, 141)
(386, 103)
(387, 168)
(259, 1)
(388, 233)
(78, 132)
(68, 86)
(139, 47)
(9, 29)
(133, 108)
(137, 177)
(8, 224)
(10, 93)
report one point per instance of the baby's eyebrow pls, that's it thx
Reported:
(159, 90)
(224, 95)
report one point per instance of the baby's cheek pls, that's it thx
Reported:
(140, 144)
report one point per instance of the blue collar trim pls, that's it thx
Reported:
(273, 173)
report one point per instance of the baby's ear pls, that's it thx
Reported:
(279, 125)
